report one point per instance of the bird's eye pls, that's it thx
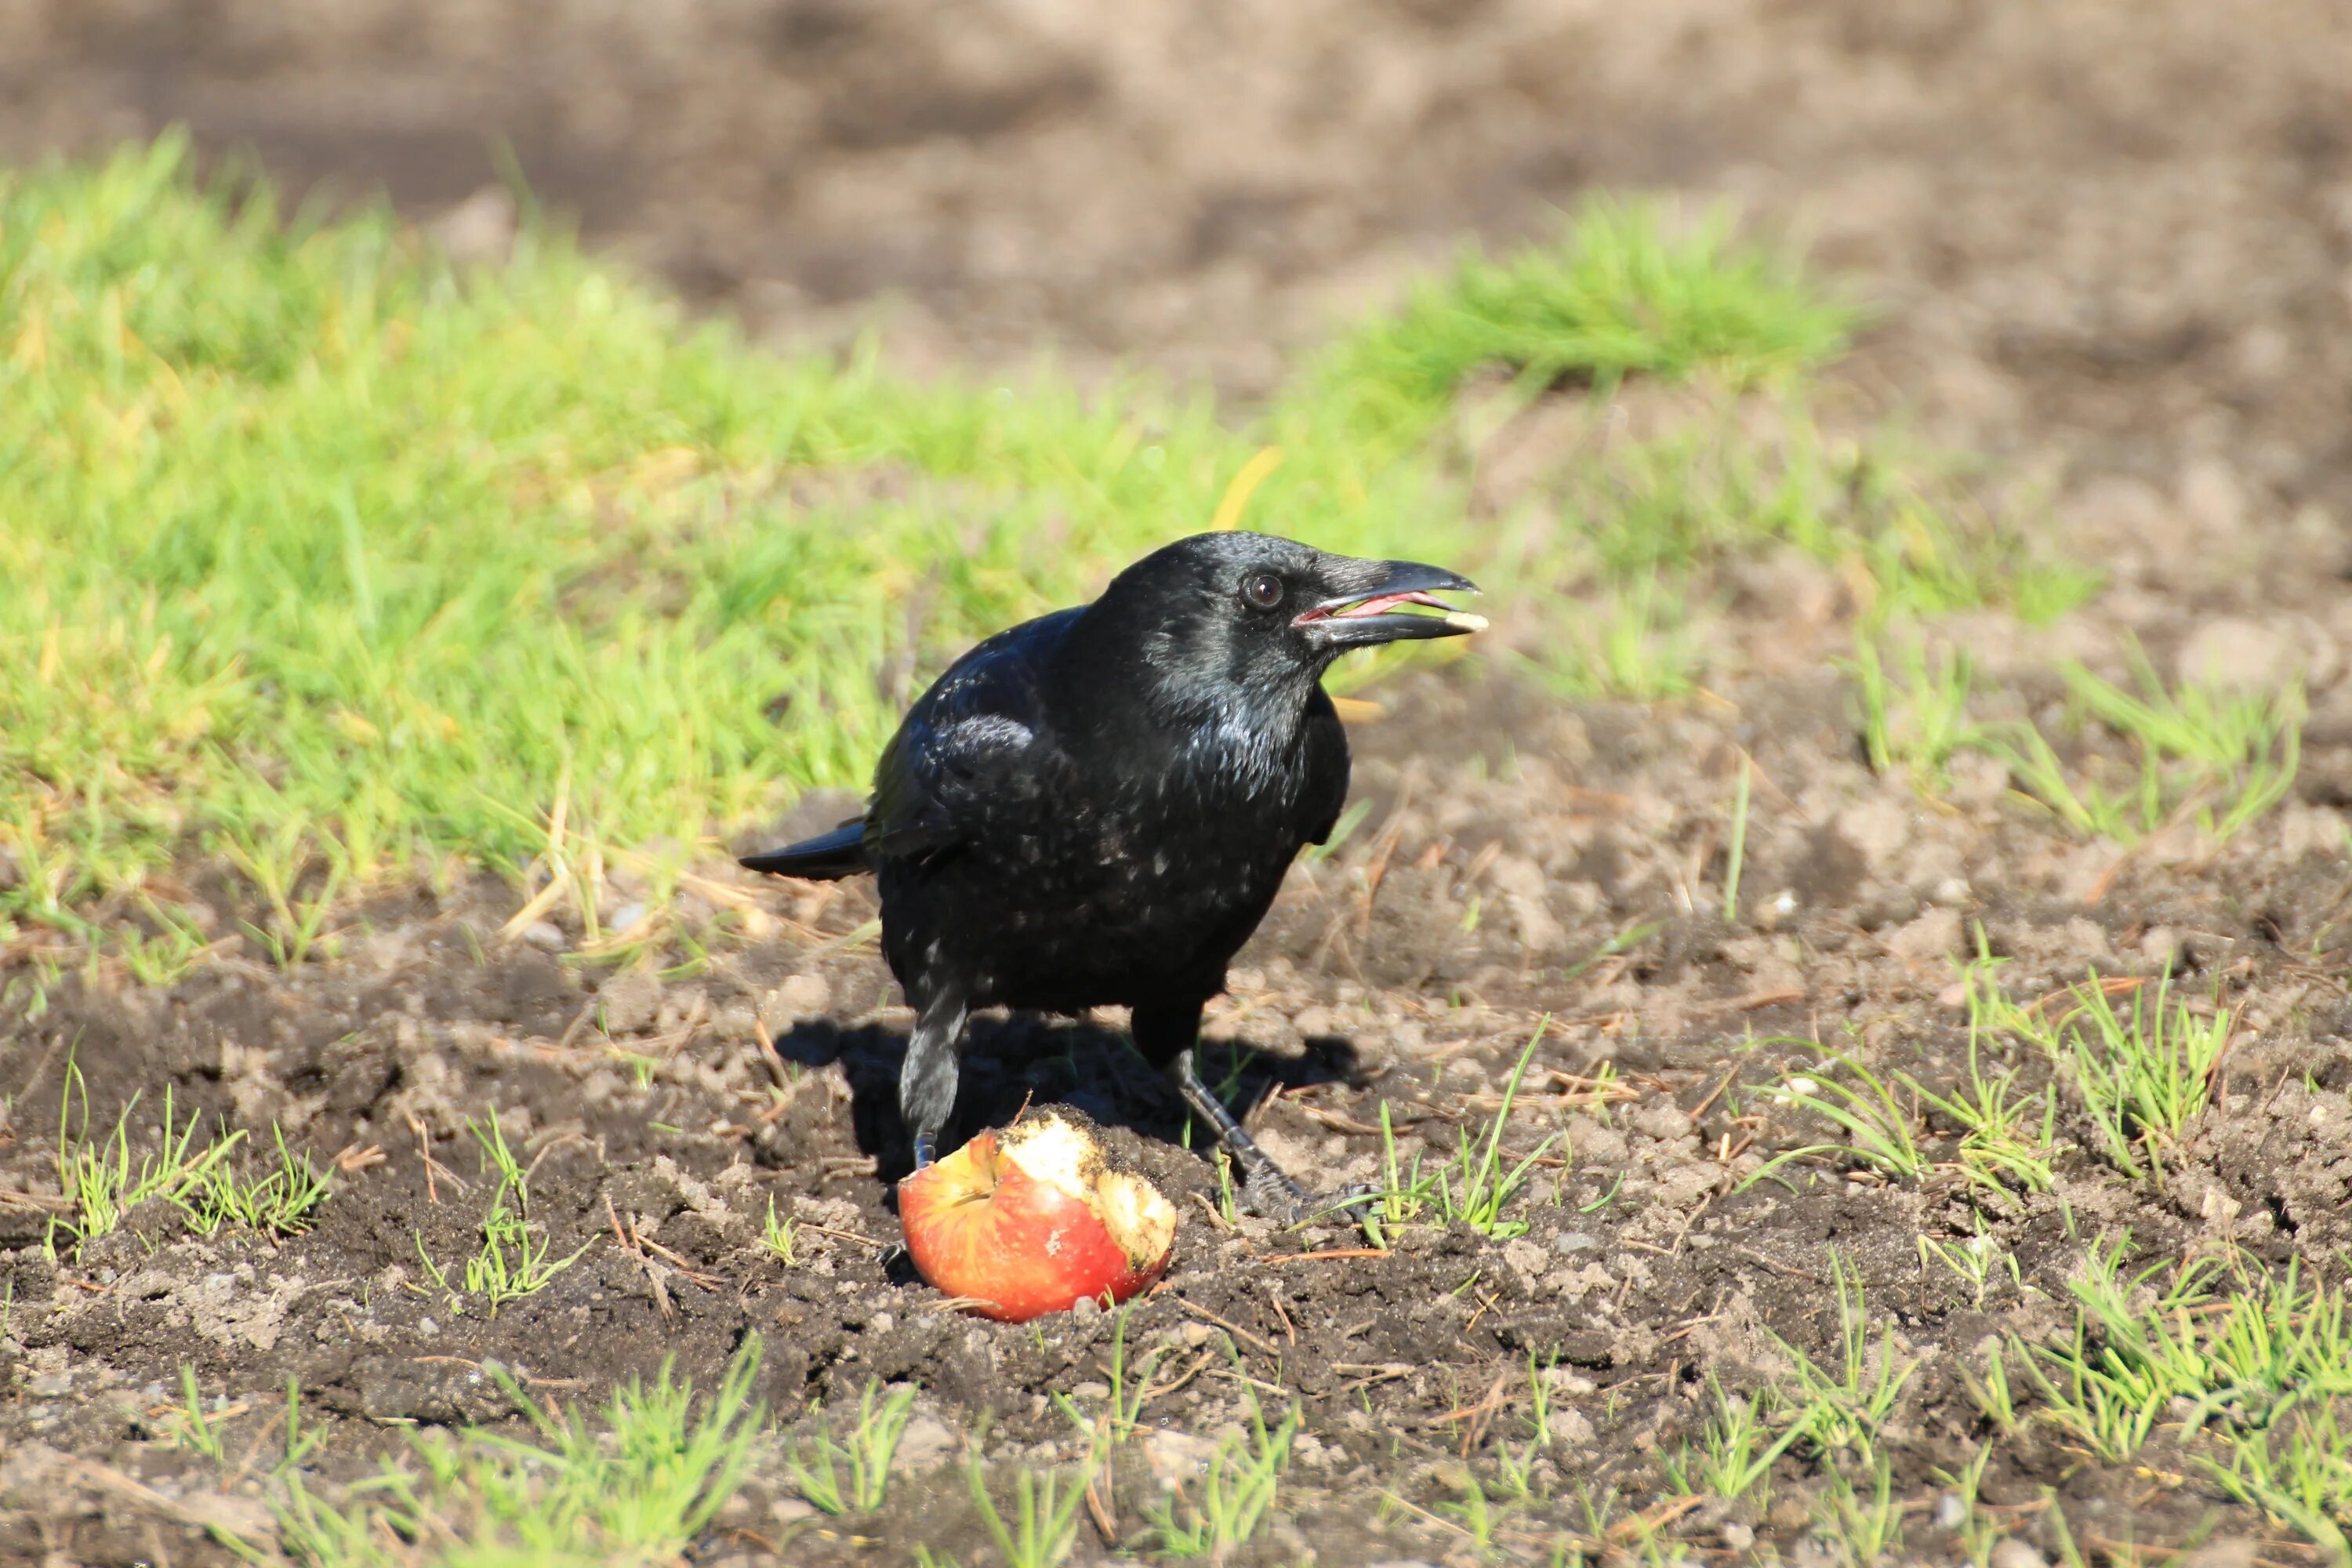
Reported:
(1263, 590)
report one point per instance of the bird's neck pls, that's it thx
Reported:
(1135, 710)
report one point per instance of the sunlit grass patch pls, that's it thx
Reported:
(850, 1472)
(1627, 291)
(1226, 1507)
(2191, 1346)
(516, 1257)
(1916, 715)
(102, 1180)
(1039, 1525)
(2143, 1071)
(1471, 1186)
(1638, 529)
(338, 561)
(279, 1199)
(2195, 753)
(635, 1484)
(1881, 1132)
(2219, 758)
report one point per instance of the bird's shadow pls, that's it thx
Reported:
(1023, 1059)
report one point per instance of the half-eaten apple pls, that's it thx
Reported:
(1033, 1219)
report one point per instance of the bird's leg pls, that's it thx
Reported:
(1269, 1189)
(1167, 1035)
(926, 1083)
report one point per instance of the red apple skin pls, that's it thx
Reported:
(981, 1229)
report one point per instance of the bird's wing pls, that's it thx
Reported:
(970, 752)
(1326, 794)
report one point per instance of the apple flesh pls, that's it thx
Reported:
(1033, 1219)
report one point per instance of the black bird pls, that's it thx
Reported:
(1097, 806)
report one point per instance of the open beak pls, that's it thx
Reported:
(1368, 617)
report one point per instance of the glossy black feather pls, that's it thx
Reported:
(825, 859)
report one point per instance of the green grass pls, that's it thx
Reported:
(1044, 1523)
(1879, 1129)
(2008, 1138)
(104, 1179)
(2299, 1472)
(342, 561)
(1916, 717)
(2201, 753)
(2142, 1073)
(277, 1200)
(517, 1256)
(851, 1473)
(2258, 1365)
(1623, 294)
(1866, 1526)
(2190, 752)
(2244, 1375)
(97, 1177)
(1122, 1407)
(781, 1236)
(1846, 1406)
(633, 1485)
(1226, 1508)
(195, 1429)
(1471, 1186)
(1736, 1448)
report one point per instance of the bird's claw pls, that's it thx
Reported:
(1270, 1194)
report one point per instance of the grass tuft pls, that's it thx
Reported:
(1878, 1127)
(1623, 292)
(852, 1473)
(1471, 1186)
(2143, 1074)
(279, 1201)
(1044, 1525)
(1846, 1406)
(102, 1181)
(634, 1485)
(516, 1257)
(1225, 1509)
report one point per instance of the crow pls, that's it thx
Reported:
(1097, 807)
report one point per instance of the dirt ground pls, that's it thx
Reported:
(2110, 249)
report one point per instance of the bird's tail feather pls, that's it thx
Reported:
(825, 859)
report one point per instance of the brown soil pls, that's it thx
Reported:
(2112, 246)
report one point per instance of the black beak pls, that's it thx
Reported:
(1362, 619)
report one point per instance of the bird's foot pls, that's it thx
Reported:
(926, 1150)
(1269, 1194)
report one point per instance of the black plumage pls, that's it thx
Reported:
(1097, 807)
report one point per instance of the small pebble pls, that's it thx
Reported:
(546, 935)
(2011, 1552)
(1568, 1241)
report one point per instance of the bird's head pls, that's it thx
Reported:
(1266, 614)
